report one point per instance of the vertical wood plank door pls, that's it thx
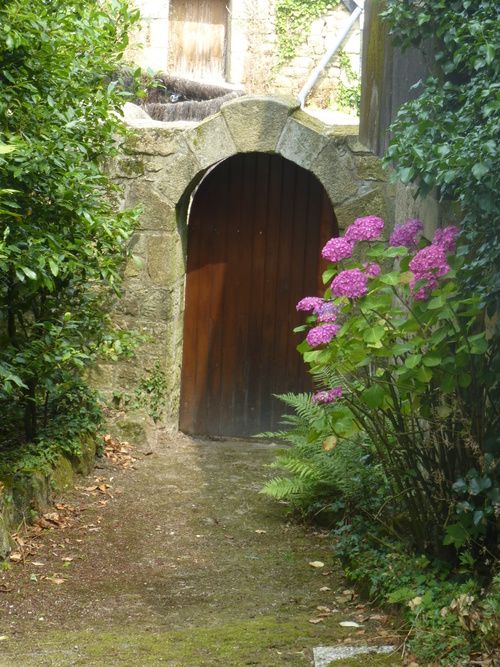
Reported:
(256, 228)
(197, 38)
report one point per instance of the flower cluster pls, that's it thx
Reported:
(321, 335)
(428, 264)
(309, 303)
(327, 396)
(445, 238)
(407, 234)
(365, 229)
(372, 270)
(351, 283)
(327, 312)
(337, 249)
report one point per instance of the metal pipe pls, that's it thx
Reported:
(330, 53)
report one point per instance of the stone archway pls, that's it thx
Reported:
(159, 169)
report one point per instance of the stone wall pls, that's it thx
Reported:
(159, 170)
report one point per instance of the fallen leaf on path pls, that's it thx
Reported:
(56, 580)
(316, 563)
(323, 589)
(15, 556)
(326, 573)
(5, 588)
(3, 638)
(37, 563)
(261, 532)
(321, 608)
(349, 624)
(314, 621)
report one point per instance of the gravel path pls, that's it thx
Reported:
(177, 560)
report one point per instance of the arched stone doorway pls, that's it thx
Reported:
(159, 169)
(256, 227)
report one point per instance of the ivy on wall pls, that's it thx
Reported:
(348, 94)
(293, 22)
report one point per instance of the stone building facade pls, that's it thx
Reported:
(250, 44)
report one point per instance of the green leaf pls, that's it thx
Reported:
(54, 267)
(437, 302)
(373, 335)
(390, 278)
(464, 380)
(374, 396)
(413, 360)
(444, 411)
(406, 174)
(480, 169)
(424, 374)
(477, 517)
(456, 535)
(432, 359)
(28, 272)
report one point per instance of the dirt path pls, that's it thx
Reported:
(179, 562)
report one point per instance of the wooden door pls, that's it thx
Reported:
(256, 227)
(197, 38)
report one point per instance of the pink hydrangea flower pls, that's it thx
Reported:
(407, 234)
(372, 270)
(321, 335)
(365, 229)
(445, 238)
(327, 312)
(337, 249)
(327, 396)
(309, 303)
(428, 264)
(351, 283)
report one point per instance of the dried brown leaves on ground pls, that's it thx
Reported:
(28, 539)
(118, 451)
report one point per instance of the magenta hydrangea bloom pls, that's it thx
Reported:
(445, 238)
(321, 335)
(327, 312)
(372, 270)
(364, 229)
(428, 264)
(407, 234)
(309, 303)
(327, 396)
(351, 283)
(337, 249)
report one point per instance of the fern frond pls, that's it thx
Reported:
(282, 488)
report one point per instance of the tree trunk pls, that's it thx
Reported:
(30, 410)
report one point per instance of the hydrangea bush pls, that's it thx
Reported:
(402, 353)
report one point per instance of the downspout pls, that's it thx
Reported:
(330, 53)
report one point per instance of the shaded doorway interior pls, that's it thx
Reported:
(256, 228)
